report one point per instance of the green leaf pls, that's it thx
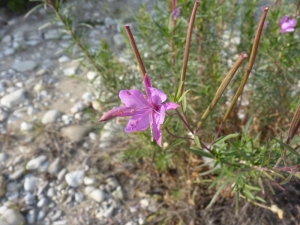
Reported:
(197, 141)
(222, 139)
(199, 152)
(289, 148)
(176, 143)
(214, 199)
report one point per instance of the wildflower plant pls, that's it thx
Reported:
(236, 120)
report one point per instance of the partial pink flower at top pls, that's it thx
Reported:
(176, 12)
(144, 110)
(287, 24)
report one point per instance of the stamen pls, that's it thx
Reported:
(128, 92)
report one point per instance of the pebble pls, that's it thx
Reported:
(70, 71)
(3, 157)
(12, 216)
(55, 166)
(17, 174)
(14, 98)
(76, 132)
(24, 66)
(91, 75)
(62, 174)
(42, 202)
(30, 199)
(26, 127)
(30, 183)
(78, 107)
(79, 197)
(97, 195)
(51, 116)
(75, 178)
(35, 163)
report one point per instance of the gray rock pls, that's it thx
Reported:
(4, 113)
(26, 127)
(24, 66)
(56, 215)
(62, 174)
(79, 197)
(42, 202)
(76, 132)
(51, 116)
(3, 157)
(51, 192)
(13, 217)
(118, 193)
(41, 214)
(30, 183)
(30, 199)
(17, 174)
(35, 163)
(75, 178)
(78, 107)
(97, 195)
(55, 166)
(14, 98)
(12, 186)
(70, 71)
(31, 216)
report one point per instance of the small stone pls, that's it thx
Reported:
(62, 174)
(88, 189)
(56, 215)
(12, 216)
(42, 187)
(88, 181)
(29, 199)
(31, 216)
(17, 174)
(12, 186)
(24, 66)
(64, 59)
(25, 149)
(113, 182)
(42, 202)
(41, 72)
(79, 197)
(78, 107)
(3, 157)
(41, 214)
(70, 71)
(26, 127)
(93, 136)
(98, 195)
(75, 178)
(87, 97)
(35, 163)
(30, 183)
(76, 132)
(55, 166)
(51, 116)
(51, 192)
(118, 193)
(6, 39)
(14, 98)
(108, 213)
(91, 75)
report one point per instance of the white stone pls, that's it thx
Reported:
(26, 127)
(78, 107)
(41, 214)
(14, 98)
(64, 59)
(88, 189)
(51, 116)
(24, 66)
(62, 174)
(88, 180)
(97, 195)
(12, 217)
(30, 183)
(6, 39)
(70, 71)
(79, 197)
(91, 75)
(87, 97)
(35, 163)
(75, 178)
(55, 166)
(93, 136)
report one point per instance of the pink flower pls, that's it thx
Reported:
(287, 24)
(176, 12)
(144, 110)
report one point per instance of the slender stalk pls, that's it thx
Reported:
(173, 135)
(185, 122)
(136, 51)
(187, 48)
(74, 37)
(222, 88)
(173, 6)
(250, 63)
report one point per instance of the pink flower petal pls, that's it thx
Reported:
(156, 129)
(138, 122)
(157, 96)
(133, 99)
(170, 106)
(121, 111)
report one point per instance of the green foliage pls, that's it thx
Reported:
(247, 158)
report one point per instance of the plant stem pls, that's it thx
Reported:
(250, 63)
(136, 51)
(187, 48)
